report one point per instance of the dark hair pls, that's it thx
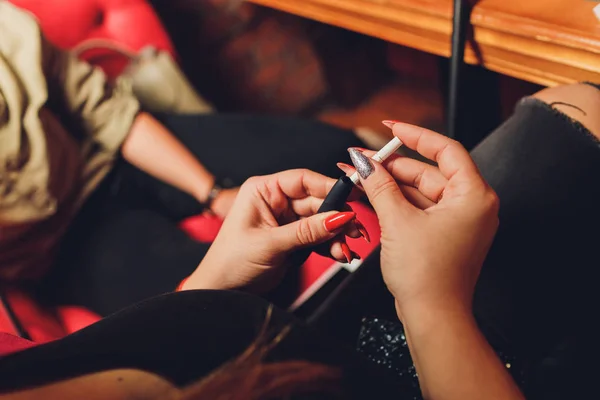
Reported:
(249, 378)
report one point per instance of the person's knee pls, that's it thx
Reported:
(578, 101)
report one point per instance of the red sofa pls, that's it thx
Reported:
(133, 24)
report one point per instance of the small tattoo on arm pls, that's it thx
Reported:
(568, 105)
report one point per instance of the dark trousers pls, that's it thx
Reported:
(125, 244)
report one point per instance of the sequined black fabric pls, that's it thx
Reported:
(384, 343)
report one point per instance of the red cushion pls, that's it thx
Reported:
(39, 322)
(10, 343)
(43, 324)
(131, 23)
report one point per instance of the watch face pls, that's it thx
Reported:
(214, 192)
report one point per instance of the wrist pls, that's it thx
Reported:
(199, 281)
(210, 197)
(428, 313)
(202, 189)
(205, 277)
(211, 201)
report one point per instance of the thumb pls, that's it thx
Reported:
(381, 187)
(311, 231)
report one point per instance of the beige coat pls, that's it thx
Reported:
(61, 127)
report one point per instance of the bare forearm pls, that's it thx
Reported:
(453, 359)
(153, 149)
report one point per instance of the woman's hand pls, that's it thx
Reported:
(223, 202)
(271, 217)
(437, 222)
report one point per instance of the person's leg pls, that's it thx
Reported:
(543, 163)
(113, 256)
(235, 147)
(536, 289)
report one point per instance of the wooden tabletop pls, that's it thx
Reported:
(548, 42)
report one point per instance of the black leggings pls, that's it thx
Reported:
(536, 291)
(125, 245)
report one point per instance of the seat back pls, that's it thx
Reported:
(130, 23)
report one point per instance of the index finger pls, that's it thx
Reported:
(301, 183)
(452, 158)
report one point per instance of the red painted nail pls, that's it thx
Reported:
(336, 221)
(347, 252)
(180, 286)
(345, 167)
(390, 123)
(363, 231)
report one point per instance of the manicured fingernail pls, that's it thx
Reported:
(336, 221)
(347, 252)
(363, 231)
(363, 165)
(356, 256)
(180, 286)
(360, 149)
(390, 123)
(349, 169)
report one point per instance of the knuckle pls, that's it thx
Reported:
(457, 144)
(420, 178)
(491, 201)
(253, 181)
(454, 144)
(305, 233)
(383, 187)
(450, 147)
(457, 147)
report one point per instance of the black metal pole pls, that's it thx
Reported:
(459, 34)
(13, 318)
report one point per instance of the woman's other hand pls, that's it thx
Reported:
(271, 217)
(437, 222)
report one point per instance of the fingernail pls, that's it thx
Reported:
(336, 221)
(345, 167)
(363, 231)
(360, 148)
(363, 165)
(347, 252)
(356, 256)
(390, 123)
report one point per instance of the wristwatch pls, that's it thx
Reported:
(218, 186)
(212, 195)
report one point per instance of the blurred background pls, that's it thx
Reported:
(246, 57)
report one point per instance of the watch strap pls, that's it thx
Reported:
(212, 195)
